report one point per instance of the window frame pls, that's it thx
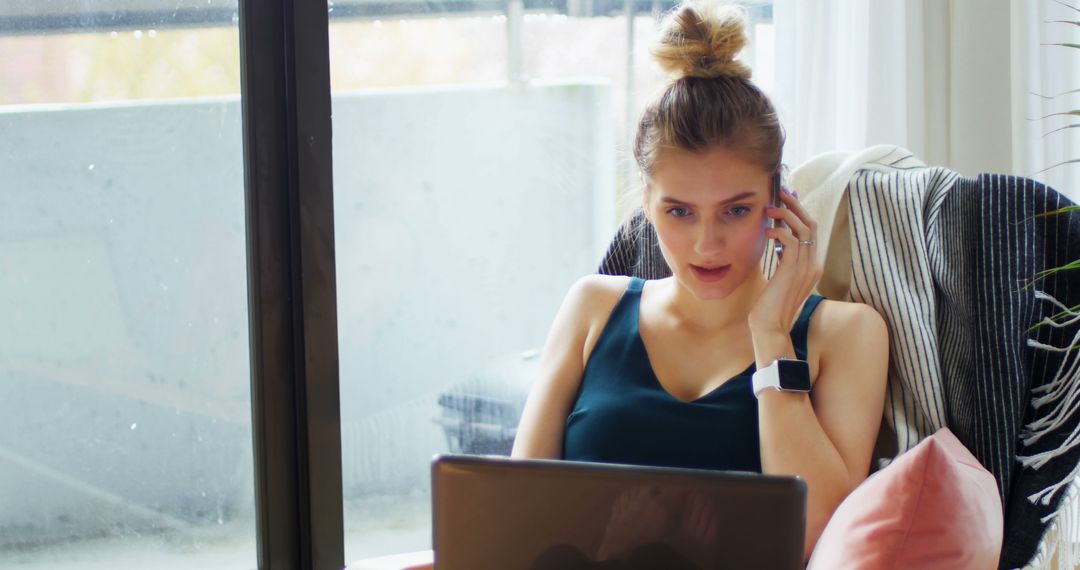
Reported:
(288, 180)
(67, 16)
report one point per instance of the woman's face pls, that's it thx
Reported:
(709, 212)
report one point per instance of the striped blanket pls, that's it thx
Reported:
(948, 261)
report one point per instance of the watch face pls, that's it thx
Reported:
(794, 375)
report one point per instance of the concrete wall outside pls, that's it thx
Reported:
(462, 216)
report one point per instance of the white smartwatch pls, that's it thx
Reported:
(785, 375)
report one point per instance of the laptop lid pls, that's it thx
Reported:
(510, 514)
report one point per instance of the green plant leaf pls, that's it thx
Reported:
(1067, 5)
(1048, 97)
(1072, 265)
(1057, 212)
(1075, 264)
(1062, 316)
(1064, 210)
(1074, 46)
(1072, 113)
(1061, 129)
(1075, 160)
(1062, 22)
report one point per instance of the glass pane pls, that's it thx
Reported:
(125, 437)
(479, 156)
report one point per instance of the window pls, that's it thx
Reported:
(125, 409)
(480, 151)
(479, 158)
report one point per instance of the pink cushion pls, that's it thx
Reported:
(935, 506)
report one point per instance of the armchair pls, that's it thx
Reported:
(948, 262)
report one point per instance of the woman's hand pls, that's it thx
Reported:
(778, 305)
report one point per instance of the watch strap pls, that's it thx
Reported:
(765, 378)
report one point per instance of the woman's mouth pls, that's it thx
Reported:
(710, 274)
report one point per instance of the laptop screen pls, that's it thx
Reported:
(507, 514)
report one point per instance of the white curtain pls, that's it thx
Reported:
(958, 82)
(951, 80)
(1038, 71)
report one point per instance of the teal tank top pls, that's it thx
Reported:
(623, 415)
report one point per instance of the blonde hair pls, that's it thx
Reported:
(709, 99)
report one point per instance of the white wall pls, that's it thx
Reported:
(463, 218)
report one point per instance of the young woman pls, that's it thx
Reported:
(663, 372)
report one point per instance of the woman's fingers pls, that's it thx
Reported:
(798, 257)
(804, 218)
(792, 220)
(792, 252)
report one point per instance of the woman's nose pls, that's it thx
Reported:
(710, 239)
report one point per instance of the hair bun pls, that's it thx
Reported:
(701, 39)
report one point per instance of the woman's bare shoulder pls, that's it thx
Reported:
(593, 292)
(590, 299)
(839, 319)
(590, 302)
(840, 326)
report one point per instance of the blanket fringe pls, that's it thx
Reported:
(1051, 322)
(1059, 548)
(1062, 378)
(1060, 544)
(1066, 376)
(1047, 494)
(1063, 393)
(1044, 296)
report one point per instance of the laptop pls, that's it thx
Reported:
(497, 513)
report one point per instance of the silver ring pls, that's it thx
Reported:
(807, 242)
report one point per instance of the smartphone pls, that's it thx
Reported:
(777, 181)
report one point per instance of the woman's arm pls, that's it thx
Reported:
(562, 362)
(827, 438)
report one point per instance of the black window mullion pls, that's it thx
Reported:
(285, 86)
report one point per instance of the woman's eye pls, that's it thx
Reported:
(678, 212)
(739, 211)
